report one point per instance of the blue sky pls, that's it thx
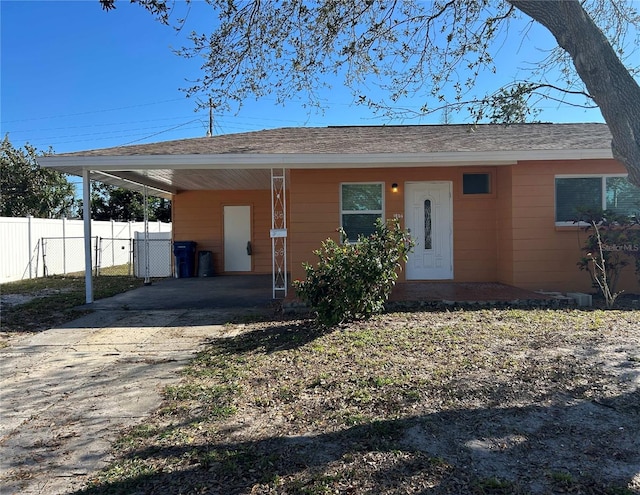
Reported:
(74, 77)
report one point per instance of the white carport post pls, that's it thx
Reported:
(86, 215)
(147, 279)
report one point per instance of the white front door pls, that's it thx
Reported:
(428, 211)
(237, 238)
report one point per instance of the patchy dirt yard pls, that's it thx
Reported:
(479, 402)
(35, 305)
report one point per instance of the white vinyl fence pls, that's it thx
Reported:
(37, 247)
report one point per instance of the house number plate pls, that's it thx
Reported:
(278, 233)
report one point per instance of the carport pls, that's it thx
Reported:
(167, 168)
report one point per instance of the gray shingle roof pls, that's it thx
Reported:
(380, 139)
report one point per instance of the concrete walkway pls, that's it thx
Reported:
(66, 393)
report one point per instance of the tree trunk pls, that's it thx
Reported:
(608, 81)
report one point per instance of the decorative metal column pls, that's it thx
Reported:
(279, 231)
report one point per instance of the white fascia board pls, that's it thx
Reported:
(314, 160)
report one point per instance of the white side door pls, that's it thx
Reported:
(429, 217)
(237, 235)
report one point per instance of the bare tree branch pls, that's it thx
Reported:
(608, 81)
(436, 51)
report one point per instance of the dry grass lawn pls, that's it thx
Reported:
(41, 303)
(465, 402)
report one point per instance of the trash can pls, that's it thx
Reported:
(185, 257)
(205, 264)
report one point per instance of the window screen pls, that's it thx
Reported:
(622, 196)
(574, 193)
(361, 207)
(476, 183)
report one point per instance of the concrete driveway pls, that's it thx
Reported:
(222, 292)
(67, 392)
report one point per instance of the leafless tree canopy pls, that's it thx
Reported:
(431, 51)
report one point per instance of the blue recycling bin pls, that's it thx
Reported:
(185, 256)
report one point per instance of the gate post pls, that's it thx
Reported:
(64, 245)
(30, 233)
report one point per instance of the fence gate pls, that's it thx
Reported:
(114, 256)
(110, 256)
(159, 263)
(65, 255)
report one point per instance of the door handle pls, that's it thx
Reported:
(415, 239)
(249, 249)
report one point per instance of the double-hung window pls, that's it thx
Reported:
(607, 192)
(361, 204)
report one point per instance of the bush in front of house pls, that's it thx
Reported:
(613, 242)
(352, 281)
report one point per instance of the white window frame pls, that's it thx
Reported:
(603, 199)
(362, 212)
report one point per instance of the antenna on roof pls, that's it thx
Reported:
(210, 131)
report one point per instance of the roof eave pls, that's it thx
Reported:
(73, 164)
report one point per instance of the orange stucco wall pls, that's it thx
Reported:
(507, 236)
(545, 256)
(315, 214)
(504, 225)
(199, 216)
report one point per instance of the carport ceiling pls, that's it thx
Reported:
(173, 181)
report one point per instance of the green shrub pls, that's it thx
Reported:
(353, 280)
